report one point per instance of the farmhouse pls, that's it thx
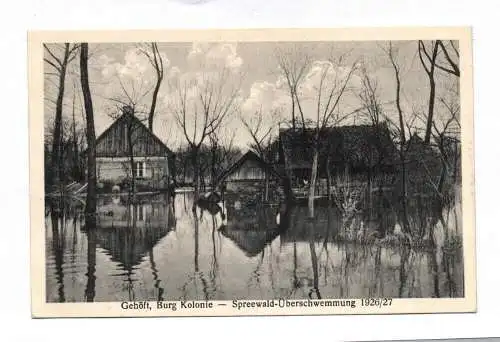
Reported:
(128, 148)
(359, 151)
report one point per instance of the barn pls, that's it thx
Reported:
(129, 149)
(251, 179)
(364, 151)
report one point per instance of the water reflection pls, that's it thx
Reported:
(91, 228)
(58, 250)
(157, 248)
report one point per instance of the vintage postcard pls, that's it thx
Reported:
(251, 172)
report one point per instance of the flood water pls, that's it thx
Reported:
(159, 249)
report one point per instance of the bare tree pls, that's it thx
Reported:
(370, 99)
(402, 136)
(373, 110)
(262, 139)
(329, 93)
(261, 135)
(129, 103)
(91, 202)
(153, 55)
(60, 67)
(445, 133)
(429, 63)
(293, 66)
(221, 152)
(209, 101)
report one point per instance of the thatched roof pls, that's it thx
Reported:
(356, 147)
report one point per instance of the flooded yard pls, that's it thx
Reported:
(160, 249)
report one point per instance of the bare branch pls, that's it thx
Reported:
(421, 47)
(455, 70)
(57, 60)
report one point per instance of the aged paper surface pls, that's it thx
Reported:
(251, 172)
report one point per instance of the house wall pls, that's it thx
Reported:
(250, 170)
(252, 191)
(115, 170)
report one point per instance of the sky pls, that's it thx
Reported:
(252, 74)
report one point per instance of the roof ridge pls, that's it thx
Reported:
(122, 117)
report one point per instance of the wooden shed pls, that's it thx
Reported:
(251, 179)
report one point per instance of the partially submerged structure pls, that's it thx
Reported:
(251, 178)
(129, 149)
(362, 152)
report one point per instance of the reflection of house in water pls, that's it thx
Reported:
(251, 228)
(129, 231)
(251, 242)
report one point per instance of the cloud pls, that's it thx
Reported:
(210, 67)
(273, 98)
(327, 76)
(135, 65)
(266, 97)
(215, 55)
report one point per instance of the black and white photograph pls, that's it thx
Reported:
(287, 172)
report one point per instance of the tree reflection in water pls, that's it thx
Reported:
(90, 226)
(139, 250)
(57, 219)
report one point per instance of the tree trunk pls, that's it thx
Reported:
(432, 99)
(184, 172)
(328, 178)
(130, 148)
(404, 192)
(214, 161)
(153, 103)
(91, 202)
(402, 143)
(76, 162)
(312, 186)
(432, 84)
(157, 63)
(266, 186)
(287, 185)
(56, 161)
(442, 180)
(196, 174)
